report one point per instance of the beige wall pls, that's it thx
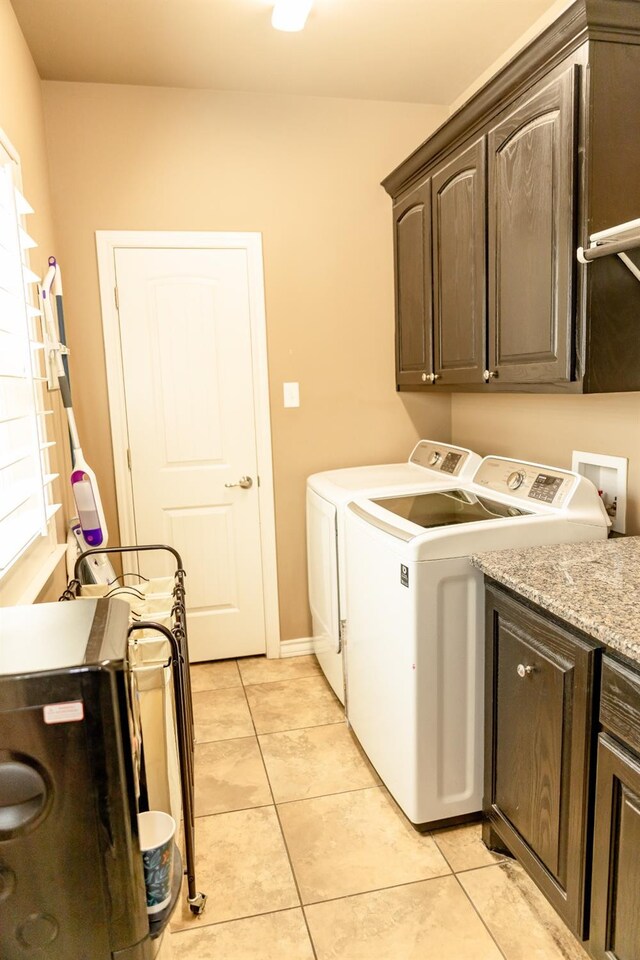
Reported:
(547, 428)
(22, 120)
(544, 21)
(303, 171)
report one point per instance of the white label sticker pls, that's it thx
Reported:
(68, 712)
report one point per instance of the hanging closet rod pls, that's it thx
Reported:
(606, 249)
(616, 240)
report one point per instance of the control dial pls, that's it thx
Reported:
(435, 458)
(515, 479)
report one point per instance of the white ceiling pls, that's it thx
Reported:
(414, 50)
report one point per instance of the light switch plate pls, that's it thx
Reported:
(291, 394)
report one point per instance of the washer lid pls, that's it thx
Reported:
(430, 463)
(443, 509)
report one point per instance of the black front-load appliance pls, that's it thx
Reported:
(71, 882)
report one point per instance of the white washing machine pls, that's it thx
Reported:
(415, 625)
(327, 496)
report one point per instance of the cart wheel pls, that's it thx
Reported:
(198, 903)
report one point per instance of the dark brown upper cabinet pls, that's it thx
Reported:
(459, 292)
(560, 124)
(532, 153)
(412, 252)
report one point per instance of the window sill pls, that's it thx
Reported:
(26, 589)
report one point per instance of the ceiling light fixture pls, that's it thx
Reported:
(290, 15)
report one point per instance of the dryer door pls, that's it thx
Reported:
(324, 600)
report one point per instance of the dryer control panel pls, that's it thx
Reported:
(526, 481)
(440, 457)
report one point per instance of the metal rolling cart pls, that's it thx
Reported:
(175, 633)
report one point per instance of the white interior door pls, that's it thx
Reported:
(185, 328)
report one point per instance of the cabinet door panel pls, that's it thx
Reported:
(538, 745)
(459, 241)
(615, 895)
(412, 249)
(532, 157)
(531, 724)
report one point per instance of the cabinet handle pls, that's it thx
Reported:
(524, 671)
(425, 377)
(434, 377)
(490, 375)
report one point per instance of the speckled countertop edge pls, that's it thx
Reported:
(592, 586)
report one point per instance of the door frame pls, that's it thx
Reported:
(107, 242)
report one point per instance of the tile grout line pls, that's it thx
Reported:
(482, 920)
(475, 909)
(365, 893)
(203, 743)
(221, 923)
(317, 726)
(282, 834)
(224, 813)
(266, 683)
(255, 683)
(334, 793)
(282, 803)
(312, 726)
(269, 733)
(461, 885)
(483, 866)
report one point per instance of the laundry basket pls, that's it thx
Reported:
(159, 666)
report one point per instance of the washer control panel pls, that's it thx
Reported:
(526, 481)
(440, 457)
(451, 462)
(545, 487)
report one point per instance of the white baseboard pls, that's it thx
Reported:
(296, 648)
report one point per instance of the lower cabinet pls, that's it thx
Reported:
(562, 770)
(540, 697)
(615, 892)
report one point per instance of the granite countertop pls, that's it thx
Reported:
(593, 586)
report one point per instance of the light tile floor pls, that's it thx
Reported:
(304, 854)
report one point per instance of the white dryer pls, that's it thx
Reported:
(415, 625)
(327, 496)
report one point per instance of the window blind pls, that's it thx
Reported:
(25, 475)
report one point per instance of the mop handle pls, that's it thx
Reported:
(57, 292)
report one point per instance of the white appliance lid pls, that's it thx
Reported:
(429, 461)
(445, 508)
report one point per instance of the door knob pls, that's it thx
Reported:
(490, 375)
(524, 671)
(244, 482)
